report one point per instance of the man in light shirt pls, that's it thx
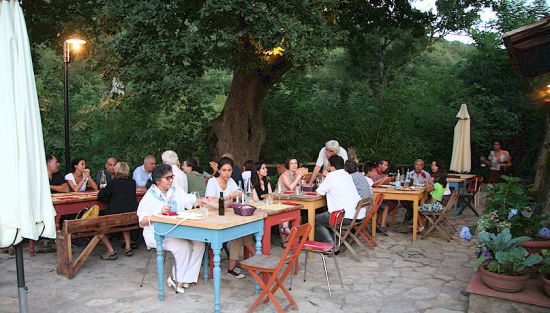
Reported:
(332, 147)
(143, 173)
(341, 194)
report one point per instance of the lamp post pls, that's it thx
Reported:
(67, 44)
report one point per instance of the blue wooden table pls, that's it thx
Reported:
(215, 230)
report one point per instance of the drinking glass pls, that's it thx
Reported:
(204, 210)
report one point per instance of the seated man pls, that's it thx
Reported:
(341, 194)
(378, 175)
(57, 179)
(108, 169)
(143, 173)
(419, 177)
(418, 174)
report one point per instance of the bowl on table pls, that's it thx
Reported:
(243, 209)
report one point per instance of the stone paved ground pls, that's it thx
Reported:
(398, 276)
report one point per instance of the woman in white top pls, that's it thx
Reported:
(164, 196)
(247, 173)
(180, 179)
(499, 160)
(224, 183)
(79, 179)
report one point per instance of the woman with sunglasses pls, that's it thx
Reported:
(164, 196)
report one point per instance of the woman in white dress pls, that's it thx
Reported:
(79, 179)
(164, 196)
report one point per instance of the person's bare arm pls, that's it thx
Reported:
(60, 188)
(76, 187)
(316, 170)
(290, 185)
(92, 184)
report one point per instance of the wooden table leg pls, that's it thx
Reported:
(311, 222)
(415, 217)
(373, 225)
(266, 239)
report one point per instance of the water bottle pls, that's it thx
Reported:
(103, 180)
(221, 205)
(248, 192)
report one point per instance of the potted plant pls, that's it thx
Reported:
(544, 271)
(502, 261)
(509, 205)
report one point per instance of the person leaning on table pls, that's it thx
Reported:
(341, 194)
(164, 196)
(224, 183)
(80, 178)
(142, 173)
(332, 147)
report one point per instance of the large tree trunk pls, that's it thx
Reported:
(239, 129)
(542, 178)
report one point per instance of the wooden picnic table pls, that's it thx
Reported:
(276, 214)
(214, 229)
(309, 201)
(66, 203)
(73, 202)
(415, 196)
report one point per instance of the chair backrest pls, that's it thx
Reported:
(452, 200)
(280, 168)
(336, 218)
(296, 240)
(474, 183)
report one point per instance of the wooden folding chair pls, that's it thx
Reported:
(361, 229)
(468, 198)
(349, 234)
(440, 220)
(272, 266)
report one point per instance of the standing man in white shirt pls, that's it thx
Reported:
(341, 194)
(332, 147)
(143, 173)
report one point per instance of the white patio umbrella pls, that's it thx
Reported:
(461, 160)
(27, 210)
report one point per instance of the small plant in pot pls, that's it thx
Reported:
(502, 261)
(544, 271)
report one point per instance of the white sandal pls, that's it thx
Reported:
(172, 284)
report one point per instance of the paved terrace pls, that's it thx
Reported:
(398, 276)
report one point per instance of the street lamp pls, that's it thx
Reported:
(75, 44)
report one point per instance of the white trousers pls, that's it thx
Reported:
(188, 255)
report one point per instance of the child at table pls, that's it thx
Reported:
(436, 191)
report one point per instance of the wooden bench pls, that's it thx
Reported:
(96, 227)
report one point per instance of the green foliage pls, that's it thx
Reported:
(510, 193)
(506, 254)
(544, 268)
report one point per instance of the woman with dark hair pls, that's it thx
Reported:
(292, 176)
(499, 161)
(195, 177)
(260, 182)
(437, 166)
(79, 179)
(226, 185)
(164, 196)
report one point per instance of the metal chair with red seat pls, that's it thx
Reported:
(272, 266)
(335, 222)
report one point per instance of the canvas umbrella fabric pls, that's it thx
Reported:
(461, 160)
(27, 210)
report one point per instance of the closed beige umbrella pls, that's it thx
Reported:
(461, 160)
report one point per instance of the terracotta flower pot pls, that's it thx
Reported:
(545, 284)
(534, 246)
(501, 282)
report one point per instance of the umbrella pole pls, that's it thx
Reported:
(22, 289)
